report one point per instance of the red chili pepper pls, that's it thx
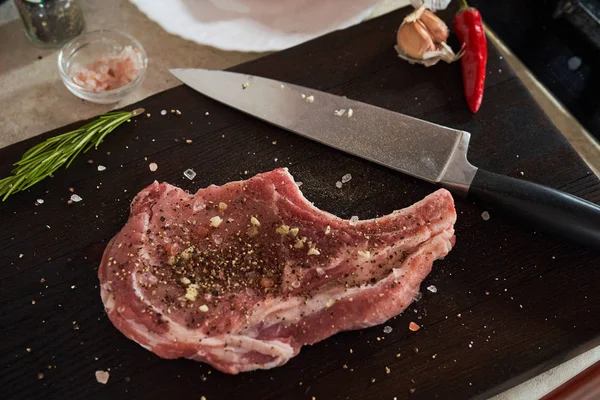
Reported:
(470, 32)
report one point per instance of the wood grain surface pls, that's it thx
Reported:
(510, 302)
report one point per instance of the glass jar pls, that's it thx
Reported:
(51, 23)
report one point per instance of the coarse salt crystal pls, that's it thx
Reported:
(189, 173)
(40, 201)
(432, 289)
(245, 85)
(102, 377)
(163, 112)
(387, 329)
(153, 166)
(303, 95)
(413, 327)
(101, 168)
(320, 271)
(298, 184)
(418, 296)
(203, 308)
(353, 220)
(338, 184)
(75, 198)
(350, 113)
(296, 284)
(108, 72)
(346, 178)
(485, 215)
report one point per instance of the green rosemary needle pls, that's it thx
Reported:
(43, 159)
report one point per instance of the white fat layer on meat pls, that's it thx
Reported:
(291, 309)
(237, 345)
(279, 351)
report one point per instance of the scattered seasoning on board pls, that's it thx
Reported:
(413, 327)
(102, 376)
(153, 167)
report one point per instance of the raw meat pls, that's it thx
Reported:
(243, 275)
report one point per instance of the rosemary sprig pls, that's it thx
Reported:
(43, 159)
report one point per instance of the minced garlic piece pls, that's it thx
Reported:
(283, 230)
(329, 303)
(245, 85)
(203, 308)
(294, 231)
(185, 281)
(313, 252)
(187, 253)
(216, 221)
(191, 292)
(222, 206)
(310, 99)
(254, 221)
(299, 244)
(252, 231)
(350, 112)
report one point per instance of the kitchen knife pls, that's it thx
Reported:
(428, 151)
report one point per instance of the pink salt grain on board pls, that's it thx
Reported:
(109, 72)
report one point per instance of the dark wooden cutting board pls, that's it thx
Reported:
(510, 302)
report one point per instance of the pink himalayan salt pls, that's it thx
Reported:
(109, 72)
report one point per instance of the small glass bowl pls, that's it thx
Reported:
(85, 49)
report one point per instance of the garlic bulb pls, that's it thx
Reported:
(437, 27)
(433, 5)
(422, 39)
(414, 39)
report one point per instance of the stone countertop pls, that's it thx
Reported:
(34, 100)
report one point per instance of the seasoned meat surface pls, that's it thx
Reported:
(241, 276)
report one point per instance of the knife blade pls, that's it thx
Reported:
(351, 126)
(434, 153)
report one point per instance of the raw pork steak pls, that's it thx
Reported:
(241, 276)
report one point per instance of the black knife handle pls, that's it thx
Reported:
(539, 206)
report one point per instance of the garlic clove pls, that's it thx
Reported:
(414, 39)
(437, 27)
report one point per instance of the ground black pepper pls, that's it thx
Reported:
(51, 23)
